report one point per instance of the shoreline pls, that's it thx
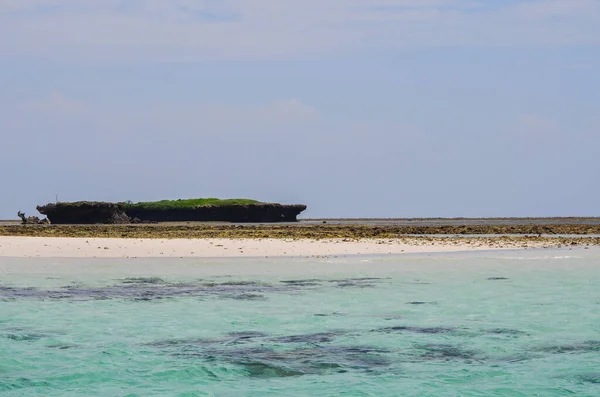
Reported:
(68, 247)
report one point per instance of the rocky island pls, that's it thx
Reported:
(194, 210)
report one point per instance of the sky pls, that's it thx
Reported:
(356, 108)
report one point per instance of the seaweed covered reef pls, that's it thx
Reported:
(193, 210)
(493, 237)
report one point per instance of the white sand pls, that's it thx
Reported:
(51, 247)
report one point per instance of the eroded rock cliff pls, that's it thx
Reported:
(230, 213)
(86, 212)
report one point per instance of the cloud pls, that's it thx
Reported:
(536, 126)
(201, 30)
(56, 105)
(289, 110)
(57, 119)
(544, 9)
(287, 150)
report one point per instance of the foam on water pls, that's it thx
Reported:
(420, 325)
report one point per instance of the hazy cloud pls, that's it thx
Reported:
(492, 115)
(283, 150)
(56, 105)
(536, 127)
(171, 120)
(197, 30)
(544, 9)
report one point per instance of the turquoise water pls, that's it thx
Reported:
(510, 324)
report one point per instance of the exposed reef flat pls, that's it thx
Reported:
(305, 238)
(505, 221)
(297, 230)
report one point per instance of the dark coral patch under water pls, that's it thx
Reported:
(154, 288)
(505, 331)
(591, 377)
(322, 337)
(143, 280)
(584, 347)
(24, 336)
(445, 352)
(418, 330)
(329, 314)
(262, 355)
(303, 283)
(318, 360)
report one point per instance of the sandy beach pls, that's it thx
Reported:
(59, 247)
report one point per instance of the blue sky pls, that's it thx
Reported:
(357, 108)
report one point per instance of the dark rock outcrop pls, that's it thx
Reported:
(32, 220)
(86, 212)
(229, 213)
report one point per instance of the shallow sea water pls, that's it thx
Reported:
(519, 323)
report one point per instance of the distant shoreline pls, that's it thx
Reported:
(596, 218)
(435, 221)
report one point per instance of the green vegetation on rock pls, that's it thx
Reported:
(189, 203)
